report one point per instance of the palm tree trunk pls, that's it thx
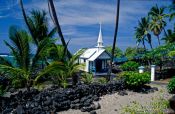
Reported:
(53, 11)
(115, 36)
(158, 39)
(25, 19)
(151, 45)
(165, 32)
(143, 42)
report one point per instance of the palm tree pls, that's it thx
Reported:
(26, 63)
(71, 67)
(53, 15)
(143, 28)
(115, 35)
(157, 14)
(156, 28)
(37, 24)
(139, 35)
(39, 27)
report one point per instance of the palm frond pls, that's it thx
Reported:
(3, 61)
(20, 46)
(41, 51)
(13, 72)
(54, 67)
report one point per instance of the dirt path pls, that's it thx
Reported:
(112, 104)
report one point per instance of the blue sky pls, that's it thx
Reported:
(80, 19)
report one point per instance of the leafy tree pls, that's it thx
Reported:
(160, 55)
(132, 52)
(117, 53)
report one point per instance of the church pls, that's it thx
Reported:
(96, 59)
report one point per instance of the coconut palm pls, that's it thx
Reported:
(143, 28)
(38, 24)
(53, 15)
(116, 29)
(38, 27)
(115, 36)
(158, 16)
(156, 28)
(26, 63)
(139, 35)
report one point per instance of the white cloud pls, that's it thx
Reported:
(74, 14)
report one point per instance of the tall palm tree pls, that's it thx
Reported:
(56, 22)
(116, 28)
(139, 35)
(38, 24)
(156, 28)
(157, 14)
(38, 27)
(115, 36)
(143, 28)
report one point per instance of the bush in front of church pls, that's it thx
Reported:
(130, 66)
(135, 80)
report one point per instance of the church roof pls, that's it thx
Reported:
(92, 53)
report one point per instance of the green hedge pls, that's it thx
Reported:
(130, 66)
(135, 80)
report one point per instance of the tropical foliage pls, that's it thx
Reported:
(87, 78)
(130, 66)
(117, 52)
(135, 80)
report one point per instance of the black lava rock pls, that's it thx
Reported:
(57, 99)
(172, 102)
(93, 112)
(122, 93)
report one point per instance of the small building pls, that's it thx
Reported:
(96, 59)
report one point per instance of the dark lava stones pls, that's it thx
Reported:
(57, 99)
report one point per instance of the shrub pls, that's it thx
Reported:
(171, 85)
(87, 78)
(135, 80)
(102, 80)
(130, 66)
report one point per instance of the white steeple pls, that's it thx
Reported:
(100, 40)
